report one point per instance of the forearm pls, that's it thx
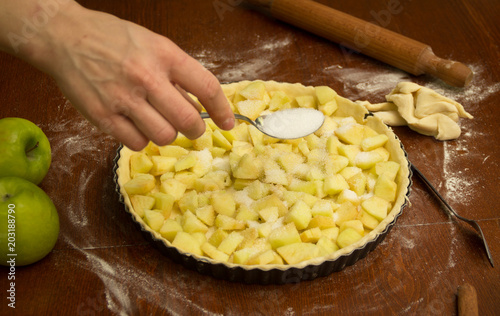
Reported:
(122, 77)
(29, 27)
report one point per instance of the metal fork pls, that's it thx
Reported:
(471, 222)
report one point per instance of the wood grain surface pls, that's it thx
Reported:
(101, 263)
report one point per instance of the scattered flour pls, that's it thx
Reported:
(407, 242)
(73, 141)
(244, 66)
(460, 183)
(366, 84)
(470, 97)
(458, 187)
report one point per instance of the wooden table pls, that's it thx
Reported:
(101, 263)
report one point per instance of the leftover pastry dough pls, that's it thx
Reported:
(422, 109)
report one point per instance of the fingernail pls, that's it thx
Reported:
(228, 124)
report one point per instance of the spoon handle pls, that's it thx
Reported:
(205, 115)
(450, 209)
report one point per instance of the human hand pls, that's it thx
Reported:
(127, 80)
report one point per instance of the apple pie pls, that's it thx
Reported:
(244, 206)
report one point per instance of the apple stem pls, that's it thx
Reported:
(32, 148)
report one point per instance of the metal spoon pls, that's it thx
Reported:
(471, 222)
(285, 124)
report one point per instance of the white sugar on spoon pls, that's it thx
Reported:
(285, 124)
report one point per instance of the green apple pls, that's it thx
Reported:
(29, 223)
(25, 150)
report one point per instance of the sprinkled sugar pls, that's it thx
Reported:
(292, 123)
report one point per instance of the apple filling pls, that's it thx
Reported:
(245, 198)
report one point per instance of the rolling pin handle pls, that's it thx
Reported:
(467, 300)
(452, 72)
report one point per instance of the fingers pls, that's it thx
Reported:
(186, 96)
(194, 78)
(148, 100)
(123, 130)
(178, 110)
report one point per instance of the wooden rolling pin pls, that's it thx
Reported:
(370, 39)
(467, 300)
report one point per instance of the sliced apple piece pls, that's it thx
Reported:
(284, 235)
(188, 202)
(323, 208)
(311, 235)
(385, 188)
(273, 174)
(299, 214)
(220, 140)
(140, 184)
(373, 142)
(217, 237)
(262, 258)
(173, 151)
(182, 141)
(331, 233)
(334, 184)
(369, 222)
(346, 212)
(204, 141)
(270, 201)
(154, 219)
(348, 237)
(230, 243)
(213, 252)
(376, 207)
(326, 246)
(289, 161)
(269, 214)
(185, 162)
(257, 190)
(163, 202)
(357, 183)
(355, 224)
(306, 101)
(325, 94)
(254, 91)
(351, 133)
(279, 101)
(245, 214)
(328, 108)
(249, 167)
(140, 163)
(223, 203)
(298, 252)
(251, 108)
(228, 223)
(173, 187)
(322, 222)
(192, 224)
(170, 228)
(390, 168)
(187, 243)
(367, 159)
(141, 203)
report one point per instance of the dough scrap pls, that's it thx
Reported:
(422, 109)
